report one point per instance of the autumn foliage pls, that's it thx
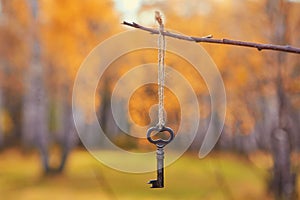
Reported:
(43, 45)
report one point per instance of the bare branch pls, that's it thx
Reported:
(209, 39)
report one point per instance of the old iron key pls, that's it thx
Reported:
(160, 144)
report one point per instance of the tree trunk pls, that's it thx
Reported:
(70, 138)
(1, 119)
(283, 181)
(35, 129)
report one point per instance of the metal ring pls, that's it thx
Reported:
(160, 142)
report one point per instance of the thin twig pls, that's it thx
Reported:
(209, 39)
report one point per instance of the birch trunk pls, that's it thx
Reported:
(283, 181)
(69, 136)
(35, 129)
(1, 119)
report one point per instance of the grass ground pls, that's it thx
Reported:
(218, 176)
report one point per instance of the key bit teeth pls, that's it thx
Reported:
(155, 184)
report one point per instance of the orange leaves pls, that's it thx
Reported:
(142, 101)
(244, 70)
(240, 76)
(70, 29)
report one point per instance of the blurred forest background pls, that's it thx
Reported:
(43, 43)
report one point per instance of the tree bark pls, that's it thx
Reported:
(1, 119)
(1, 89)
(69, 137)
(35, 129)
(283, 181)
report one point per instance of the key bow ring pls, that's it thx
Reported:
(160, 142)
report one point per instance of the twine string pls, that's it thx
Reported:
(161, 70)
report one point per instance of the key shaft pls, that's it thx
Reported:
(159, 182)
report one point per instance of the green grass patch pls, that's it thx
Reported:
(218, 176)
